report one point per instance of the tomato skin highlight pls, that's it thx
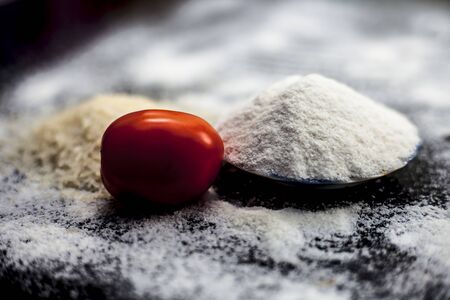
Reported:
(165, 157)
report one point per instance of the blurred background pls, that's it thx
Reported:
(55, 53)
(32, 31)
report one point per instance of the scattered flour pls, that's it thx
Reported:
(284, 232)
(194, 253)
(315, 128)
(425, 232)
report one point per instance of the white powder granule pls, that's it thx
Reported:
(193, 253)
(423, 230)
(314, 128)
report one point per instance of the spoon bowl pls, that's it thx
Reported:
(326, 183)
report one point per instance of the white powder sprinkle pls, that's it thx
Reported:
(425, 232)
(193, 253)
(284, 232)
(316, 128)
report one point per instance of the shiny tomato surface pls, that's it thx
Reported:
(165, 157)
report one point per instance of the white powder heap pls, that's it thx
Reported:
(315, 128)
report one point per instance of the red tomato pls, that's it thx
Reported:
(165, 157)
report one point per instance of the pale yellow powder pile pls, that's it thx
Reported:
(64, 149)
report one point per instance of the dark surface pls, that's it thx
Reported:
(374, 272)
(379, 267)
